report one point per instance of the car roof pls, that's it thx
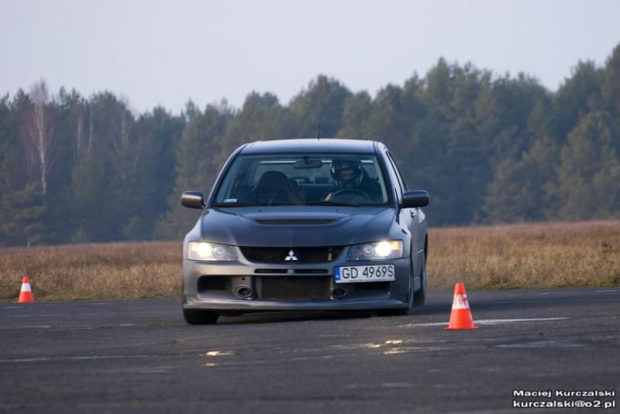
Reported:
(311, 145)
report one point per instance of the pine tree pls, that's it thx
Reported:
(576, 98)
(508, 198)
(355, 116)
(518, 191)
(321, 104)
(261, 118)
(21, 217)
(585, 177)
(610, 86)
(8, 145)
(160, 133)
(197, 167)
(92, 219)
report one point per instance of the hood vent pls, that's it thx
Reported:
(295, 222)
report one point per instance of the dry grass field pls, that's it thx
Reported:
(93, 271)
(541, 255)
(494, 257)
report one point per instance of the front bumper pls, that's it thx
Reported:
(225, 286)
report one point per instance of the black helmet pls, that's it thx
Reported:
(340, 165)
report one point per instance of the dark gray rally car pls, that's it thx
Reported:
(306, 224)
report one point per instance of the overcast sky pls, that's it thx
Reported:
(166, 52)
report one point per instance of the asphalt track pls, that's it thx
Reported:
(140, 357)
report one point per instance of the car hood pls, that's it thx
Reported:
(302, 227)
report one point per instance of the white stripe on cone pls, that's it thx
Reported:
(460, 302)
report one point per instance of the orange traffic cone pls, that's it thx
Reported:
(26, 293)
(460, 318)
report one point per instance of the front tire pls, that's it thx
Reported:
(401, 311)
(200, 317)
(419, 297)
(416, 299)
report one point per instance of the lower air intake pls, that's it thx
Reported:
(294, 288)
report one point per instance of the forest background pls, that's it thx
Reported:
(490, 149)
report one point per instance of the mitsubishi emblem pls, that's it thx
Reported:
(291, 256)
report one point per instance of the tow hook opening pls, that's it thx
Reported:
(244, 292)
(339, 293)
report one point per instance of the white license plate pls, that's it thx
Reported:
(357, 274)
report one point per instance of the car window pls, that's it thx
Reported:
(399, 176)
(399, 183)
(282, 179)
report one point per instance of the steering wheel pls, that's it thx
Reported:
(351, 192)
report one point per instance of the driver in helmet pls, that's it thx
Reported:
(351, 175)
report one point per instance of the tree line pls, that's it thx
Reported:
(489, 149)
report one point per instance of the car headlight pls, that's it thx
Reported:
(210, 251)
(387, 249)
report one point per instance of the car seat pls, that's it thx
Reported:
(273, 187)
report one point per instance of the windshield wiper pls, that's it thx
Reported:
(329, 203)
(235, 204)
(308, 203)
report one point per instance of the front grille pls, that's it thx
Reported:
(294, 288)
(291, 255)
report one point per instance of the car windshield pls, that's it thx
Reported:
(302, 179)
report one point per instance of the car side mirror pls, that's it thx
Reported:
(415, 198)
(193, 199)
